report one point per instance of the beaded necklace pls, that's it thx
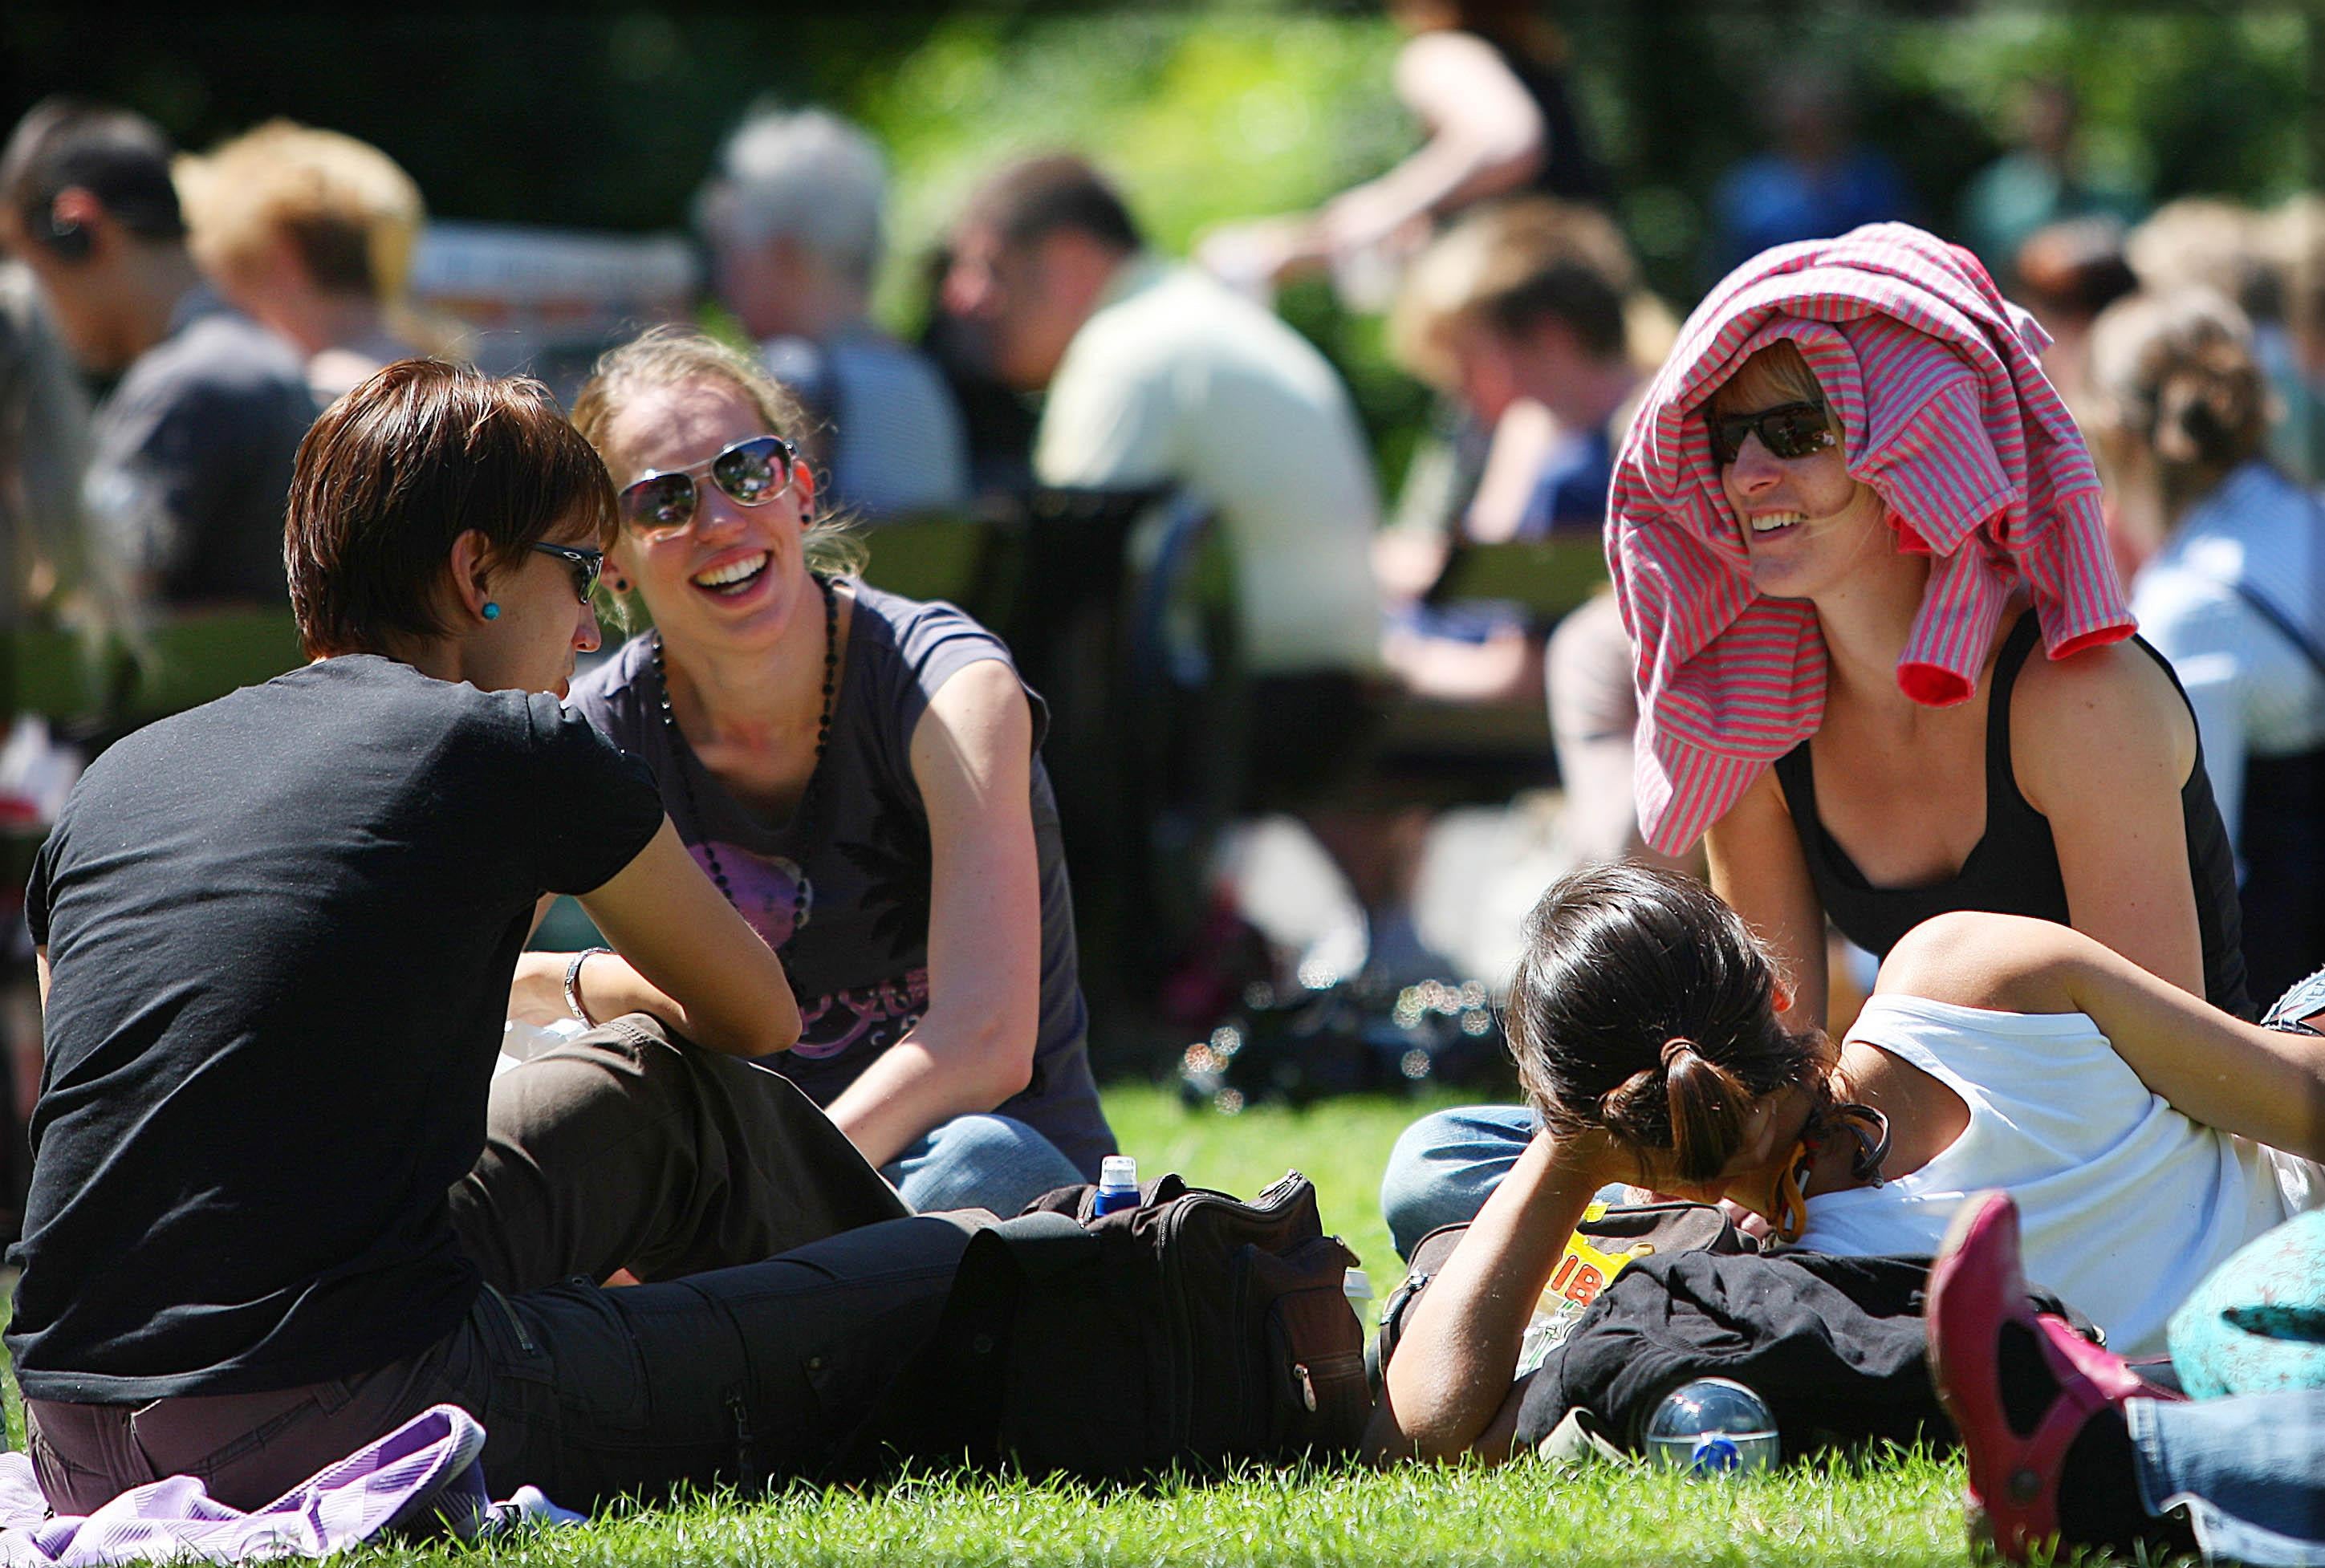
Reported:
(803, 819)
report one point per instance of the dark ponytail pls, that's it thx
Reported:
(1643, 1007)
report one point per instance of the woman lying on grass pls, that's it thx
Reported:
(1996, 1051)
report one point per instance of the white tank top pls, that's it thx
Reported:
(2124, 1204)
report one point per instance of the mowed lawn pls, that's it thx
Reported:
(1903, 1511)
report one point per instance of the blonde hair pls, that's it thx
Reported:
(2202, 242)
(665, 357)
(1510, 266)
(1776, 373)
(354, 215)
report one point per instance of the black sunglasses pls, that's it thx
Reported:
(584, 565)
(753, 472)
(1789, 430)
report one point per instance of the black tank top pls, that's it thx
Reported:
(2014, 869)
(1570, 172)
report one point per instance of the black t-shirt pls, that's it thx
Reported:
(280, 930)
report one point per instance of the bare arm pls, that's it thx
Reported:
(2101, 745)
(1486, 136)
(685, 956)
(1448, 1391)
(2266, 1084)
(972, 756)
(1757, 867)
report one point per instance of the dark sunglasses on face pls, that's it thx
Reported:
(584, 564)
(1789, 430)
(752, 472)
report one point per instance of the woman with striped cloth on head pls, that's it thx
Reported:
(1850, 509)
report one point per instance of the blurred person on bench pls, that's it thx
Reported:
(792, 217)
(191, 446)
(1156, 375)
(1531, 313)
(861, 777)
(312, 233)
(279, 1203)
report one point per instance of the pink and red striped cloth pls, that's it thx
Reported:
(1946, 414)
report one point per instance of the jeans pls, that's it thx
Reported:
(786, 1285)
(2250, 1469)
(995, 1162)
(1446, 1165)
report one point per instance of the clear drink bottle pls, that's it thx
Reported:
(1713, 1426)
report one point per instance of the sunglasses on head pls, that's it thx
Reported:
(584, 564)
(752, 472)
(1789, 430)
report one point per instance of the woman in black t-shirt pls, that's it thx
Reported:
(277, 935)
(860, 774)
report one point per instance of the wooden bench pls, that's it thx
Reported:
(1471, 751)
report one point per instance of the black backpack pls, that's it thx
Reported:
(1192, 1330)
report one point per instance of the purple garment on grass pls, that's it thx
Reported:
(424, 1476)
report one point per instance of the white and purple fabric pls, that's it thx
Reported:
(1945, 412)
(422, 1476)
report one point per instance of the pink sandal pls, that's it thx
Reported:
(1976, 1287)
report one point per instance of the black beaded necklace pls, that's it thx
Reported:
(803, 819)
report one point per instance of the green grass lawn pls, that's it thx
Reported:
(1900, 1511)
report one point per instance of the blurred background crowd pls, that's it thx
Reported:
(1256, 369)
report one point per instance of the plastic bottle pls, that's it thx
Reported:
(1713, 1426)
(1118, 1185)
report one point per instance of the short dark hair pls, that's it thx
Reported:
(1643, 1007)
(116, 155)
(1037, 197)
(400, 467)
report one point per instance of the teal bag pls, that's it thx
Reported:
(2258, 1322)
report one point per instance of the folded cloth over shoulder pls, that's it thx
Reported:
(423, 1476)
(1945, 412)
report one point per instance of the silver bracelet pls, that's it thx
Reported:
(573, 984)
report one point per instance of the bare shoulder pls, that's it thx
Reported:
(977, 720)
(1446, 71)
(2109, 713)
(2118, 688)
(1974, 959)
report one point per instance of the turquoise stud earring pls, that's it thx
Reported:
(492, 610)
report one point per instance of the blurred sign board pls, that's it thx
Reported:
(548, 300)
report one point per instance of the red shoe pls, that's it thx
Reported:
(1976, 1287)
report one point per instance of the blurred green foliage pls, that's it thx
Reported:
(605, 112)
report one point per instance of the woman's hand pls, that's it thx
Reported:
(537, 991)
(1447, 1393)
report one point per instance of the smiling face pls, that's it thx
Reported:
(736, 576)
(1809, 526)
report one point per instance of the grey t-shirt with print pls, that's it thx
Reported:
(860, 965)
